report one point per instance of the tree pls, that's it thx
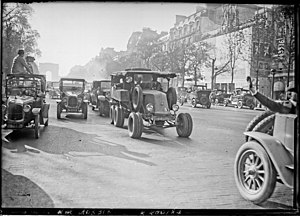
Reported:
(17, 33)
(160, 61)
(197, 55)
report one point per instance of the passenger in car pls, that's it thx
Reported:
(289, 107)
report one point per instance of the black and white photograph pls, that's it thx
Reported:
(149, 108)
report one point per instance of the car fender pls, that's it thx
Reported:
(101, 98)
(279, 155)
(58, 101)
(85, 101)
(36, 111)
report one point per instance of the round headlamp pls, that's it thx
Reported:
(64, 100)
(175, 107)
(79, 100)
(26, 108)
(150, 107)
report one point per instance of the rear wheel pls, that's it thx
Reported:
(37, 126)
(119, 117)
(135, 125)
(255, 175)
(184, 125)
(58, 111)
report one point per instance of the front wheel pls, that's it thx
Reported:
(194, 103)
(184, 124)
(135, 125)
(84, 110)
(37, 126)
(58, 111)
(255, 175)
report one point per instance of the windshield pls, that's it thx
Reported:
(72, 85)
(21, 86)
(105, 85)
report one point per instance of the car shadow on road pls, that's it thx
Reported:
(61, 140)
(19, 191)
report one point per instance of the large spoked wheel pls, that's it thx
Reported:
(85, 110)
(119, 117)
(135, 125)
(58, 112)
(194, 103)
(112, 114)
(37, 126)
(257, 119)
(254, 172)
(184, 124)
(137, 98)
(239, 104)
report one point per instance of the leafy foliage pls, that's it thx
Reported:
(17, 33)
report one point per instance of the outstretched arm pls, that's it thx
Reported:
(267, 102)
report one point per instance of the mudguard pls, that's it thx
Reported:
(85, 101)
(36, 111)
(281, 157)
(58, 101)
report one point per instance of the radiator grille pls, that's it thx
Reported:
(15, 112)
(72, 101)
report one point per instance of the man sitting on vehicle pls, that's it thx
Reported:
(19, 64)
(288, 107)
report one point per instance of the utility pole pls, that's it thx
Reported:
(213, 73)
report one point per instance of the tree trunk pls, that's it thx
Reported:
(195, 75)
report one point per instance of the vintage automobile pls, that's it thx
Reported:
(137, 95)
(266, 159)
(72, 97)
(182, 94)
(54, 90)
(25, 106)
(100, 96)
(240, 98)
(218, 96)
(200, 95)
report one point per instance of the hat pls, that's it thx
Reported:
(291, 87)
(21, 51)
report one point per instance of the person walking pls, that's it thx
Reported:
(19, 65)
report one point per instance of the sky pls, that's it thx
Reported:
(72, 33)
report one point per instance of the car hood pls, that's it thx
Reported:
(20, 99)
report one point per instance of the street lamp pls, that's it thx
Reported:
(273, 71)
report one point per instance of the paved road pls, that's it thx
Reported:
(80, 163)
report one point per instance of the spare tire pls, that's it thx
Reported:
(203, 100)
(171, 97)
(137, 98)
(257, 119)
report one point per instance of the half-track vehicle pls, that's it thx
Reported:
(266, 159)
(72, 97)
(100, 96)
(137, 95)
(25, 106)
(200, 95)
